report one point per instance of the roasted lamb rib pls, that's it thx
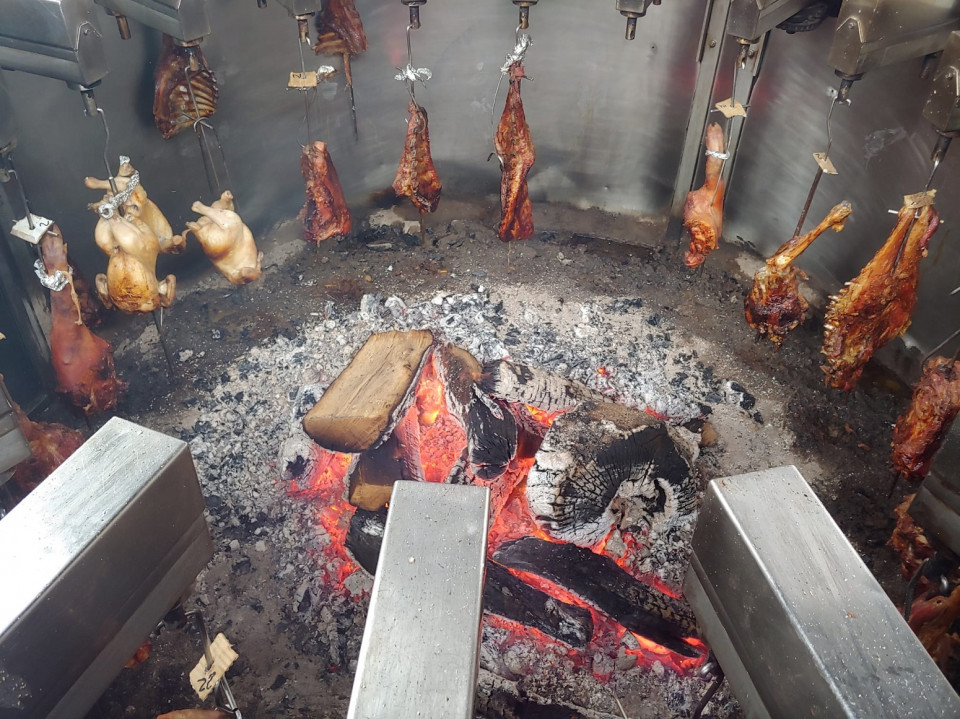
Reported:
(703, 211)
(340, 31)
(182, 77)
(325, 215)
(416, 176)
(875, 307)
(919, 432)
(515, 149)
(774, 307)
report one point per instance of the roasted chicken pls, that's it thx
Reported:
(226, 240)
(185, 88)
(130, 283)
(774, 307)
(82, 362)
(149, 212)
(875, 307)
(919, 432)
(703, 211)
(515, 149)
(416, 176)
(325, 215)
(933, 620)
(340, 31)
(50, 445)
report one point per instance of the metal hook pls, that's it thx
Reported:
(106, 147)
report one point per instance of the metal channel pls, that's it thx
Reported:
(419, 656)
(796, 620)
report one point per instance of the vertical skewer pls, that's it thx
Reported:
(816, 178)
(158, 323)
(304, 28)
(353, 103)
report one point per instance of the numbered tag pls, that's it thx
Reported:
(204, 677)
(826, 164)
(302, 80)
(731, 108)
(920, 199)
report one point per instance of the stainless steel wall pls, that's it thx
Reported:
(608, 118)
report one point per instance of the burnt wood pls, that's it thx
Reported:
(503, 594)
(491, 437)
(371, 479)
(460, 371)
(603, 465)
(536, 387)
(361, 407)
(602, 584)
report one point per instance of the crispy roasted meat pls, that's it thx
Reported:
(919, 432)
(325, 214)
(339, 29)
(177, 84)
(515, 149)
(774, 307)
(226, 240)
(703, 211)
(416, 176)
(933, 620)
(909, 541)
(82, 362)
(875, 307)
(50, 445)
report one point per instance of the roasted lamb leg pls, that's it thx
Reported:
(340, 31)
(774, 307)
(875, 307)
(325, 215)
(185, 88)
(82, 362)
(703, 211)
(226, 240)
(515, 149)
(920, 431)
(416, 176)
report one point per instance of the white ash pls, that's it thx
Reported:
(246, 428)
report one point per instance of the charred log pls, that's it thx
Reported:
(606, 465)
(599, 582)
(460, 371)
(544, 390)
(377, 470)
(503, 594)
(491, 437)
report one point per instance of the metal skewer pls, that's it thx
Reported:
(158, 323)
(816, 178)
(353, 102)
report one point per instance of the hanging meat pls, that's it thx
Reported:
(185, 88)
(416, 176)
(875, 307)
(920, 431)
(226, 240)
(703, 211)
(340, 31)
(933, 619)
(50, 445)
(82, 362)
(774, 307)
(909, 541)
(130, 283)
(325, 215)
(515, 149)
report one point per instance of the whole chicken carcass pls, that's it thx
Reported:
(150, 214)
(50, 445)
(325, 215)
(920, 431)
(82, 362)
(774, 306)
(416, 177)
(226, 240)
(703, 211)
(514, 147)
(130, 283)
(340, 29)
(185, 88)
(875, 307)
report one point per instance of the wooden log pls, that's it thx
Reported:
(604, 465)
(373, 475)
(491, 437)
(599, 582)
(460, 372)
(362, 406)
(536, 387)
(503, 594)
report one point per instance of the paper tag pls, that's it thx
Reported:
(731, 108)
(302, 80)
(204, 677)
(920, 199)
(826, 164)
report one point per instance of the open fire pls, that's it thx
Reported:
(590, 602)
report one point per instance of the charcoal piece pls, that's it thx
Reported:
(536, 387)
(503, 594)
(511, 598)
(599, 582)
(491, 437)
(604, 465)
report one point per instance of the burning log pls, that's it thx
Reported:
(376, 470)
(491, 437)
(604, 465)
(503, 594)
(460, 372)
(543, 390)
(602, 584)
(366, 402)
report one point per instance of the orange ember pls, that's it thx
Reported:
(541, 415)
(442, 438)
(430, 400)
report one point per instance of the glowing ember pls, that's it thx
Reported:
(442, 438)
